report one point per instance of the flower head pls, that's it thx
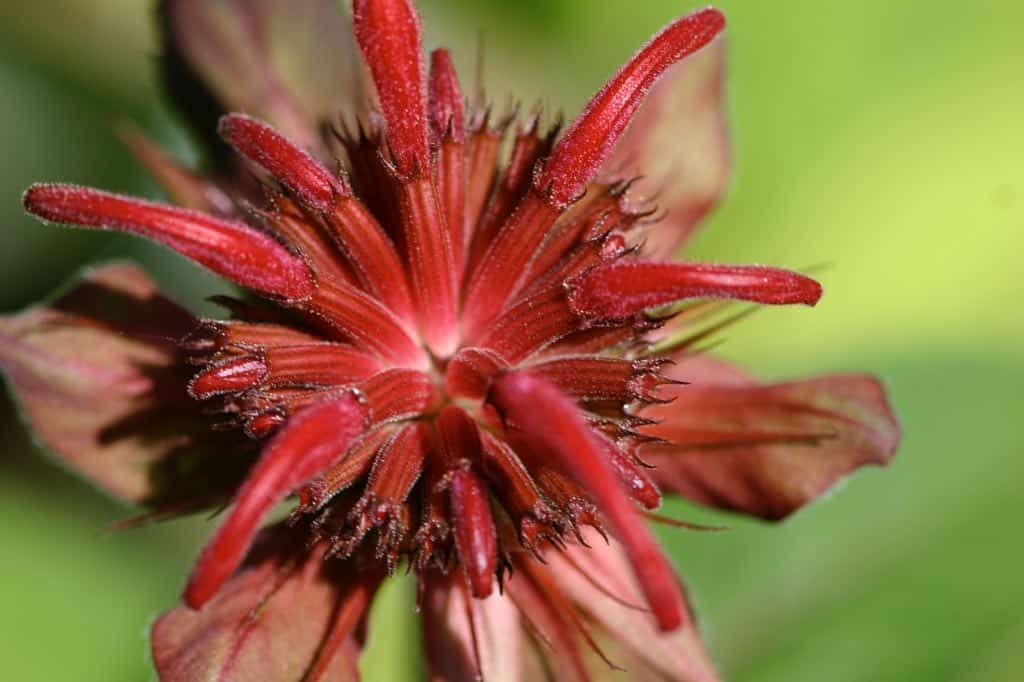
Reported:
(473, 367)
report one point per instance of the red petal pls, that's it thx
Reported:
(309, 443)
(469, 373)
(579, 155)
(320, 364)
(368, 323)
(633, 477)
(446, 110)
(361, 238)
(237, 374)
(676, 150)
(768, 450)
(311, 183)
(398, 394)
(530, 326)
(529, 148)
(432, 265)
(229, 248)
(389, 34)
(553, 426)
(502, 267)
(620, 290)
(484, 149)
(475, 537)
(447, 118)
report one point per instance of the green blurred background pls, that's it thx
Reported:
(885, 137)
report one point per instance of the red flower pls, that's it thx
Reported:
(476, 368)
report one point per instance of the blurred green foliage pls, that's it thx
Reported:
(883, 137)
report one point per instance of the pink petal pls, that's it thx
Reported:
(284, 615)
(231, 249)
(308, 444)
(767, 450)
(293, 64)
(553, 426)
(599, 583)
(453, 641)
(677, 148)
(113, 335)
(620, 290)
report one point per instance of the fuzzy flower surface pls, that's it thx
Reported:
(463, 349)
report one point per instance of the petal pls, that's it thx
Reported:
(453, 640)
(574, 162)
(230, 248)
(390, 36)
(579, 155)
(113, 335)
(677, 147)
(553, 426)
(310, 442)
(620, 290)
(768, 449)
(599, 583)
(286, 615)
(293, 64)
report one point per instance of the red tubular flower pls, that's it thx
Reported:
(458, 364)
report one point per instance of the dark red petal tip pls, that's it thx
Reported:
(300, 173)
(229, 248)
(620, 290)
(578, 156)
(310, 442)
(390, 37)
